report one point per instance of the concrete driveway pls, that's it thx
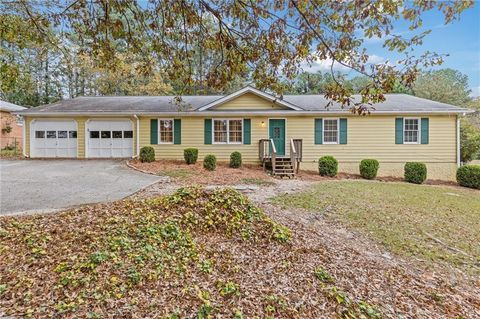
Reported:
(43, 185)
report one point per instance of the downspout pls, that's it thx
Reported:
(137, 136)
(458, 140)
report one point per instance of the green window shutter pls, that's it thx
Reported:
(153, 131)
(343, 131)
(399, 130)
(177, 131)
(247, 127)
(318, 131)
(208, 131)
(424, 129)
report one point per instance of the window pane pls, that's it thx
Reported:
(51, 134)
(220, 131)
(105, 134)
(62, 134)
(330, 131)
(127, 134)
(117, 134)
(39, 134)
(410, 134)
(166, 131)
(72, 134)
(235, 131)
(94, 134)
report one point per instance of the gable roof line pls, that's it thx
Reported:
(249, 89)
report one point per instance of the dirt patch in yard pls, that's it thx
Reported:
(184, 174)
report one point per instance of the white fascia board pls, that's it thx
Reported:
(238, 113)
(249, 89)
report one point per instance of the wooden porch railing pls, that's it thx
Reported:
(298, 143)
(293, 155)
(266, 151)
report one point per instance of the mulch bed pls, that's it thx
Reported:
(224, 175)
(185, 174)
(308, 175)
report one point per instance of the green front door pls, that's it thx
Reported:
(276, 132)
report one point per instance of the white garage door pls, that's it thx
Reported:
(109, 139)
(53, 138)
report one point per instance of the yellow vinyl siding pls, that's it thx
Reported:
(249, 101)
(368, 137)
(374, 137)
(81, 136)
(193, 136)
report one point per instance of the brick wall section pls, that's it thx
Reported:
(16, 134)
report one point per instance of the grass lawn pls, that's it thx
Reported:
(431, 222)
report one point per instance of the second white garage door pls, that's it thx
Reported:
(109, 138)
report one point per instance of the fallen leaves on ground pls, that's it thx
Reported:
(201, 254)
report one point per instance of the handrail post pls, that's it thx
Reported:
(273, 155)
(293, 155)
(299, 148)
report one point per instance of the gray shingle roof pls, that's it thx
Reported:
(393, 102)
(10, 107)
(401, 103)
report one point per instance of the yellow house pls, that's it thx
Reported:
(262, 127)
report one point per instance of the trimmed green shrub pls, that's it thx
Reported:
(469, 176)
(415, 172)
(235, 160)
(328, 166)
(147, 154)
(210, 162)
(369, 168)
(190, 155)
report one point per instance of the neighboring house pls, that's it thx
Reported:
(11, 125)
(401, 129)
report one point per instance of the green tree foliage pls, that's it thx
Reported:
(445, 85)
(469, 141)
(451, 86)
(207, 44)
(474, 119)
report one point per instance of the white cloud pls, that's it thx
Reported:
(376, 59)
(325, 65)
(322, 65)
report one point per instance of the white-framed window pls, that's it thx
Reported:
(411, 130)
(330, 131)
(165, 130)
(19, 120)
(227, 131)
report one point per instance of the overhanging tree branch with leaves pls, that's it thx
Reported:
(267, 40)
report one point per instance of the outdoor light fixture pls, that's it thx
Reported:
(263, 124)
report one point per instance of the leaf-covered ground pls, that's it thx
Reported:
(199, 254)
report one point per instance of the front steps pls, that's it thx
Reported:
(283, 167)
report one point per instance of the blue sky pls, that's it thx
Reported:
(460, 39)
